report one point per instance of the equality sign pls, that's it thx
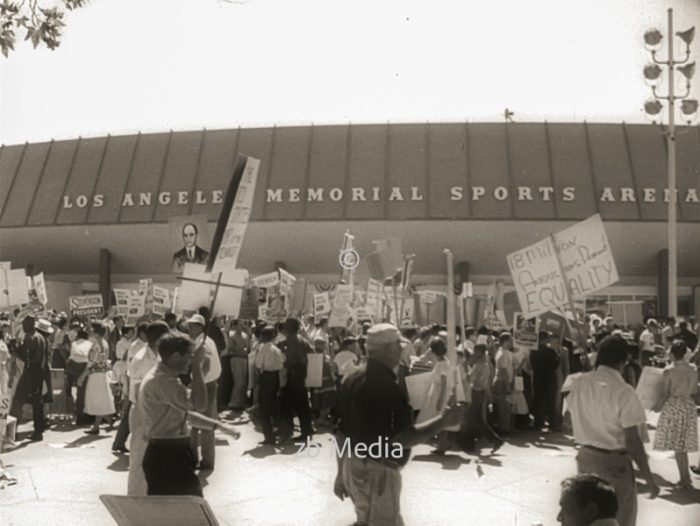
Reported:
(89, 305)
(580, 255)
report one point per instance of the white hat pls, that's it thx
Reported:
(382, 334)
(197, 318)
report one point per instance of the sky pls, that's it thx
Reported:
(153, 65)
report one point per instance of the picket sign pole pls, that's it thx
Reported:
(579, 330)
(451, 350)
(461, 319)
(396, 305)
(213, 302)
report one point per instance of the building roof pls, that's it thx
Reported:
(438, 169)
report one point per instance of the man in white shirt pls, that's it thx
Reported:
(503, 383)
(142, 362)
(211, 367)
(647, 341)
(587, 500)
(606, 415)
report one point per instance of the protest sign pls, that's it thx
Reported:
(121, 297)
(89, 305)
(277, 305)
(40, 288)
(417, 386)
(374, 298)
(177, 309)
(525, 331)
(286, 282)
(348, 259)
(267, 281)
(554, 323)
(190, 241)
(386, 260)
(341, 306)
(137, 307)
(314, 370)
(428, 297)
(298, 297)
(235, 213)
(580, 254)
(322, 305)
(199, 288)
(249, 304)
(179, 510)
(161, 301)
(13, 287)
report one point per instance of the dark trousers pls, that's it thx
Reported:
(269, 382)
(169, 468)
(123, 430)
(79, 404)
(225, 383)
(477, 427)
(296, 401)
(544, 403)
(28, 391)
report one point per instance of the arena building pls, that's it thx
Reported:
(92, 210)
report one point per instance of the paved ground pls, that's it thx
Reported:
(61, 478)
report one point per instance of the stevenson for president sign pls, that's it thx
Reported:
(570, 264)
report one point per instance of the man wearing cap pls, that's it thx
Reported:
(207, 353)
(34, 352)
(606, 416)
(295, 395)
(374, 410)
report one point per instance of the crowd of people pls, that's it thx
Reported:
(166, 382)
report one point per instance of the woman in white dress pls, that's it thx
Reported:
(99, 401)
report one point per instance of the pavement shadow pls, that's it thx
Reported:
(553, 441)
(682, 496)
(447, 461)
(121, 463)
(261, 451)
(87, 439)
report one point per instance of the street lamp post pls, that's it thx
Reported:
(653, 107)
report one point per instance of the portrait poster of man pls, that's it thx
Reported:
(191, 240)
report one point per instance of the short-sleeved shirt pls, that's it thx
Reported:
(163, 404)
(269, 358)
(144, 360)
(372, 406)
(602, 406)
(212, 355)
(504, 362)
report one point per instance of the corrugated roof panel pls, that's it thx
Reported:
(49, 193)
(648, 153)
(24, 186)
(216, 169)
(407, 172)
(288, 167)
(10, 157)
(447, 157)
(688, 173)
(488, 169)
(180, 168)
(113, 160)
(328, 169)
(258, 143)
(142, 185)
(530, 172)
(570, 168)
(611, 170)
(368, 146)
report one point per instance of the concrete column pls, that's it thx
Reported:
(662, 288)
(105, 277)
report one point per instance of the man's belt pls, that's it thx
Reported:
(607, 451)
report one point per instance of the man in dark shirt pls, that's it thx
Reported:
(545, 361)
(691, 341)
(34, 352)
(376, 432)
(295, 395)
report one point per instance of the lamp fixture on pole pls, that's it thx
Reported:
(653, 107)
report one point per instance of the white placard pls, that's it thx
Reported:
(340, 314)
(122, 297)
(322, 305)
(267, 281)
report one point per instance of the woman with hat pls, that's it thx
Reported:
(98, 394)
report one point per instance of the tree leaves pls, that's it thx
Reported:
(41, 24)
